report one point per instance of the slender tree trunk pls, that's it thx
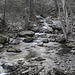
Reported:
(4, 11)
(26, 18)
(56, 8)
(62, 23)
(32, 17)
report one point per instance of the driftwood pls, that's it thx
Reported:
(59, 71)
(25, 72)
(39, 70)
(30, 65)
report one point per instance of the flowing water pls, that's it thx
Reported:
(2, 71)
(55, 54)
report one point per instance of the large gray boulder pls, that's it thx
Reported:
(46, 29)
(56, 25)
(26, 33)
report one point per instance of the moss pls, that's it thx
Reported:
(71, 44)
(3, 38)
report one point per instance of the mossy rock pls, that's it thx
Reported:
(14, 50)
(71, 45)
(3, 39)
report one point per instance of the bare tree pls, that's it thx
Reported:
(56, 8)
(32, 16)
(4, 10)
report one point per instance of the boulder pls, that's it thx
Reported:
(35, 28)
(14, 41)
(55, 24)
(46, 29)
(61, 39)
(3, 39)
(45, 40)
(26, 33)
(14, 50)
(39, 17)
(40, 35)
(28, 39)
(71, 45)
(49, 22)
(40, 43)
(1, 46)
(56, 27)
(39, 59)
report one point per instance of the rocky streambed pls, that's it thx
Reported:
(39, 56)
(41, 51)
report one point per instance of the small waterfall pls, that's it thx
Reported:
(2, 71)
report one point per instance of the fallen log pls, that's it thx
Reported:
(39, 70)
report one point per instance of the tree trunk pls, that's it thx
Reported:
(26, 18)
(56, 8)
(4, 10)
(62, 23)
(32, 17)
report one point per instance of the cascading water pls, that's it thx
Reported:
(2, 71)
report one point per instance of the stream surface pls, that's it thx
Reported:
(55, 54)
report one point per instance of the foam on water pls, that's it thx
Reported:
(2, 71)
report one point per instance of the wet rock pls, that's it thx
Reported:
(14, 41)
(46, 29)
(61, 39)
(20, 62)
(56, 25)
(72, 51)
(40, 43)
(1, 46)
(40, 35)
(49, 22)
(26, 33)
(9, 66)
(40, 59)
(14, 50)
(71, 45)
(41, 21)
(52, 36)
(45, 40)
(14, 35)
(52, 40)
(3, 39)
(56, 31)
(28, 39)
(39, 17)
(35, 29)
(73, 48)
